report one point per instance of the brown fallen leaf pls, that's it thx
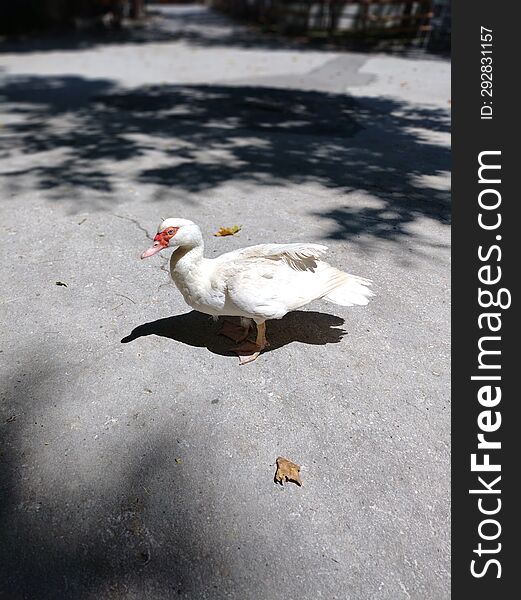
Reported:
(223, 231)
(287, 471)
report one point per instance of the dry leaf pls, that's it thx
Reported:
(61, 283)
(228, 231)
(287, 471)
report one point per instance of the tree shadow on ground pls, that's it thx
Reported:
(111, 516)
(188, 139)
(199, 330)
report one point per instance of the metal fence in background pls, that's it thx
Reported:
(360, 19)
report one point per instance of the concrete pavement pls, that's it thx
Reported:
(137, 457)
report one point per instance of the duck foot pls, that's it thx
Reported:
(235, 332)
(247, 352)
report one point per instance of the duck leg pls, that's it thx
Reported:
(237, 333)
(248, 351)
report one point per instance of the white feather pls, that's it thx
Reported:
(353, 291)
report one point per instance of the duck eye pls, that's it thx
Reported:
(170, 232)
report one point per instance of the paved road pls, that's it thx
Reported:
(137, 457)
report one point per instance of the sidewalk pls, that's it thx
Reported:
(144, 469)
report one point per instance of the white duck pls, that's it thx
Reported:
(256, 283)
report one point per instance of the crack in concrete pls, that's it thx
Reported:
(136, 223)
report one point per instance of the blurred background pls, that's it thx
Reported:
(425, 23)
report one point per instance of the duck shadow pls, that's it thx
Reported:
(199, 330)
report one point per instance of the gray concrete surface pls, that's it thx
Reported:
(144, 469)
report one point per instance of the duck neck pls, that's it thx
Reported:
(186, 260)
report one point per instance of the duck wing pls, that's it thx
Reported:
(300, 256)
(268, 280)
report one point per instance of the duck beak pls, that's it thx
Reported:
(154, 249)
(159, 244)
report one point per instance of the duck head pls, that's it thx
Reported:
(175, 233)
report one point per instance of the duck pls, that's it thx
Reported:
(257, 283)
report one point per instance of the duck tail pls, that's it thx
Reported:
(351, 291)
